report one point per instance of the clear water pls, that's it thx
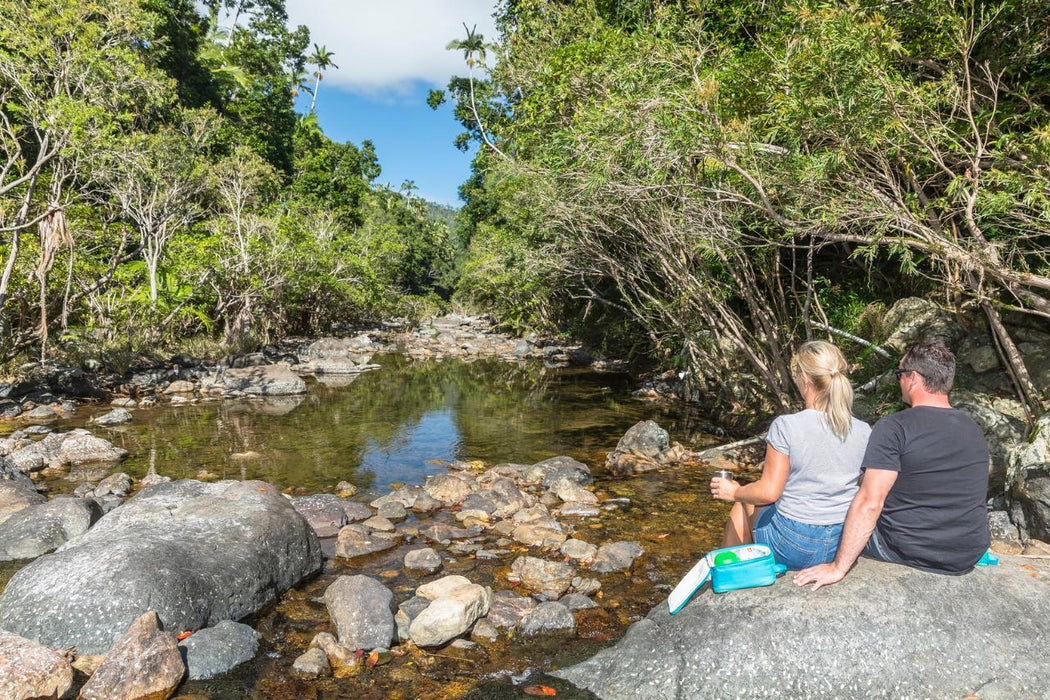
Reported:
(397, 424)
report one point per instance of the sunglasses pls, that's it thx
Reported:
(900, 372)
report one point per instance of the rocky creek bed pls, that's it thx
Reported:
(476, 580)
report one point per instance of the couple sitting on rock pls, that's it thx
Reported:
(910, 491)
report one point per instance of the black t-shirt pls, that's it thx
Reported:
(935, 517)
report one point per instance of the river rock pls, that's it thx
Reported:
(336, 356)
(118, 484)
(1006, 539)
(645, 438)
(327, 513)
(379, 524)
(934, 635)
(213, 651)
(43, 413)
(339, 655)
(541, 533)
(392, 511)
(456, 604)
(267, 380)
(425, 503)
(180, 386)
(117, 416)
(143, 663)
(508, 609)
(616, 556)
(42, 528)
(484, 631)
(551, 578)
(360, 608)
(550, 470)
(357, 541)
(577, 601)
(573, 509)
(568, 490)
(579, 550)
(15, 496)
(547, 617)
(30, 670)
(312, 664)
(450, 489)
(29, 458)
(158, 552)
(406, 612)
(78, 448)
(423, 559)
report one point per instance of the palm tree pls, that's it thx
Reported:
(297, 77)
(474, 48)
(322, 58)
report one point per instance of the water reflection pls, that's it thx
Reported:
(395, 424)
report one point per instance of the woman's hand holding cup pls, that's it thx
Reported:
(723, 487)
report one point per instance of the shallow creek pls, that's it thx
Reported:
(399, 424)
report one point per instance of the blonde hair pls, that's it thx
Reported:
(824, 366)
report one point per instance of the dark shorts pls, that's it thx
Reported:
(796, 545)
(876, 549)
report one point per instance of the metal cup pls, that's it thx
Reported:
(724, 474)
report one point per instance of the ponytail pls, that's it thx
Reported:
(824, 366)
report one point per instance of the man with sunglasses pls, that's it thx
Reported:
(924, 484)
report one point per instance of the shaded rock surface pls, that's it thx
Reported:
(213, 651)
(161, 551)
(30, 670)
(547, 617)
(884, 631)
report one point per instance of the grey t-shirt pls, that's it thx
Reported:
(824, 469)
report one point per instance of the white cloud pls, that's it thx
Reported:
(385, 45)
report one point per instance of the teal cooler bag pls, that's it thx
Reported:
(730, 569)
(748, 566)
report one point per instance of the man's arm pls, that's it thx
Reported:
(863, 513)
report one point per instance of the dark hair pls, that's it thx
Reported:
(934, 362)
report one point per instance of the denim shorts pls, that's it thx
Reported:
(796, 545)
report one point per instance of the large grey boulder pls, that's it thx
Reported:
(265, 380)
(216, 650)
(913, 319)
(884, 631)
(196, 553)
(42, 528)
(1002, 431)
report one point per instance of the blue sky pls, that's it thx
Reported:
(390, 54)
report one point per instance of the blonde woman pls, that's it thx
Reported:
(812, 468)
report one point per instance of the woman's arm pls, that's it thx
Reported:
(759, 493)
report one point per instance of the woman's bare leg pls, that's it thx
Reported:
(738, 527)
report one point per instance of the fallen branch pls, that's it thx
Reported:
(714, 451)
(856, 339)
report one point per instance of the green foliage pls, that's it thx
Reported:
(198, 202)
